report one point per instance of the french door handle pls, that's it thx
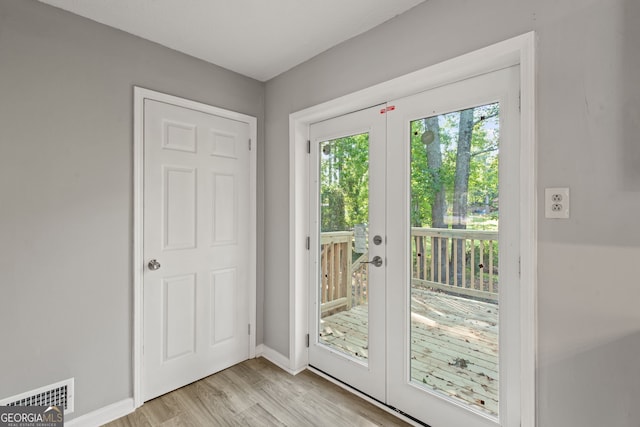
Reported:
(377, 261)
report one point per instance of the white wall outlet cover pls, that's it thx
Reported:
(556, 202)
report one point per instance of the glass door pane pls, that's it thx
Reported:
(344, 216)
(347, 206)
(454, 255)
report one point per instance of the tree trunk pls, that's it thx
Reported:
(431, 139)
(461, 182)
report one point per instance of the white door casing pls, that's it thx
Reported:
(196, 209)
(385, 373)
(517, 51)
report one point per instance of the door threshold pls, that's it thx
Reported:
(389, 409)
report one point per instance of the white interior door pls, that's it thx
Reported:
(347, 338)
(197, 242)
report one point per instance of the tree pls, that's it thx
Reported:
(431, 140)
(460, 159)
(463, 163)
(454, 177)
(461, 183)
(344, 182)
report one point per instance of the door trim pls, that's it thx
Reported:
(140, 94)
(519, 50)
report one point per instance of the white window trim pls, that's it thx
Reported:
(519, 50)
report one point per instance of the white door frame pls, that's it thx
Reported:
(140, 94)
(519, 50)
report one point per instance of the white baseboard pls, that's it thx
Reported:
(103, 415)
(259, 350)
(276, 358)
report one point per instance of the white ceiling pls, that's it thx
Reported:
(257, 38)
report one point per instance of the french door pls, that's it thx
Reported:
(348, 153)
(414, 252)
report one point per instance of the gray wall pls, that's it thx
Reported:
(66, 165)
(589, 140)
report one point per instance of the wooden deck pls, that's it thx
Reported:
(454, 344)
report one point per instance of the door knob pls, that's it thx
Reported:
(377, 261)
(153, 265)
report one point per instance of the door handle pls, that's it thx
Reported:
(377, 261)
(153, 265)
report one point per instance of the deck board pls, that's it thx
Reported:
(454, 346)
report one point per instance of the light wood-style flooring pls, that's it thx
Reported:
(258, 393)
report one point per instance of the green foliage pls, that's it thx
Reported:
(483, 173)
(344, 174)
(344, 177)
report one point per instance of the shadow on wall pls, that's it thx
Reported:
(588, 385)
(630, 34)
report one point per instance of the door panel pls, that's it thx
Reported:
(178, 316)
(196, 226)
(347, 293)
(225, 210)
(448, 314)
(179, 206)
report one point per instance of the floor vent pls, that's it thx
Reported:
(58, 394)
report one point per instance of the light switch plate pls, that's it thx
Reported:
(556, 203)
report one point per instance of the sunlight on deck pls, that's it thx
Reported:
(454, 345)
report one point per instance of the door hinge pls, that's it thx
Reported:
(308, 146)
(249, 144)
(307, 340)
(519, 267)
(308, 242)
(249, 329)
(520, 101)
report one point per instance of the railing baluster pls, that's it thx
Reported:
(491, 266)
(336, 271)
(330, 270)
(455, 243)
(446, 261)
(426, 248)
(325, 272)
(433, 251)
(464, 263)
(473, 264)
(349, 275)
(424, 270)
(417, 260)
(481, 266)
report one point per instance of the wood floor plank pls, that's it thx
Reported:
(258, 415)
(258, 393)
(181, 420)
(159, 411)
(138, 418)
